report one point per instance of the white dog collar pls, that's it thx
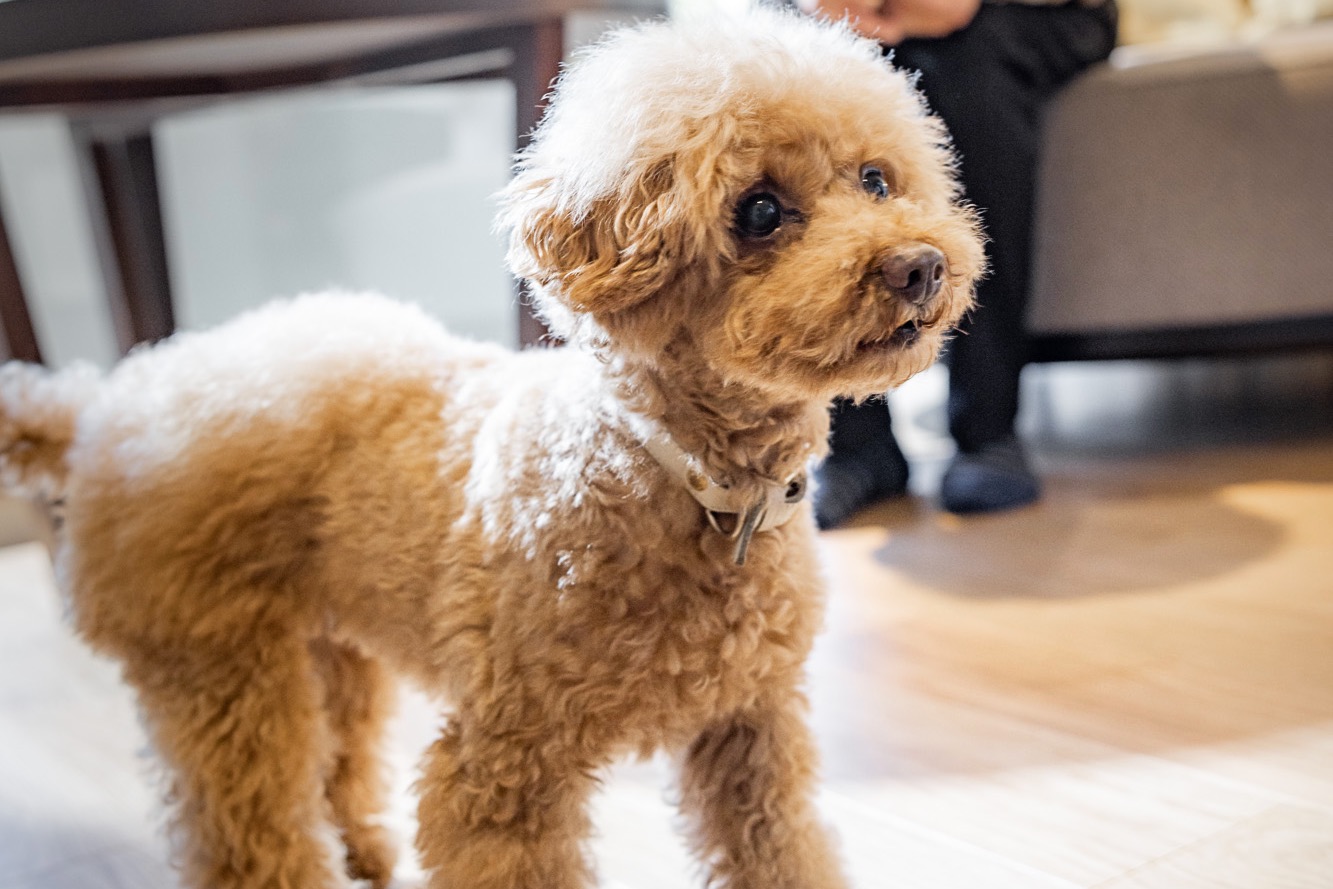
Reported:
(772, 509)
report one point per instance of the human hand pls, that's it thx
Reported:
(892, 21)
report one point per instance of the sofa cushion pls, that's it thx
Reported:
(1189, 187)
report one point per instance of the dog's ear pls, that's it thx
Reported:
(606, 251)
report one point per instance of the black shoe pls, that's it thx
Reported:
(847, 483)
(993, 478)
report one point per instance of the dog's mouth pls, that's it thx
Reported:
(903, 336)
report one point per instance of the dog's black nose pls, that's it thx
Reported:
(916, 274)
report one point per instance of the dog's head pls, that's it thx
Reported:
(763, 194)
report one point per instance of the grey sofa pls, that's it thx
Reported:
(1185, 203)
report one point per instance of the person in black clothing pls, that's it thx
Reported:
(988, 70)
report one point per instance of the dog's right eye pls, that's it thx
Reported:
(759, 215)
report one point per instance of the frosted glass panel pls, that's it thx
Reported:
(386, 190)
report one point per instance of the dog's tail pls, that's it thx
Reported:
(39, 411)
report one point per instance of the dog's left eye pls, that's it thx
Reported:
(874, 182)
(759, 215)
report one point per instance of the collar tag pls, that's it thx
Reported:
(773, 509)
(750, 522)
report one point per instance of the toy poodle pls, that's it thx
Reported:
(582, 552)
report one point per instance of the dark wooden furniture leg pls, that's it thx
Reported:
(537, 57)
(536, 64)
(20, 341)
(120, 185)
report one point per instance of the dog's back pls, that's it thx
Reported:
(219, 453)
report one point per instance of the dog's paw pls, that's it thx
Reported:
(371, 855)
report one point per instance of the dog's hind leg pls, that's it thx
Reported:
(242, 729)
(747, 784)
(505, 808)
(359, 698)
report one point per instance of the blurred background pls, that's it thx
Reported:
(1127, 686)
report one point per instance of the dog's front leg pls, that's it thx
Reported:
(747, 783)
(505, 809)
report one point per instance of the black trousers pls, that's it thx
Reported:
(990, 83)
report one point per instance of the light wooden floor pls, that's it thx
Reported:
(1129, 686)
